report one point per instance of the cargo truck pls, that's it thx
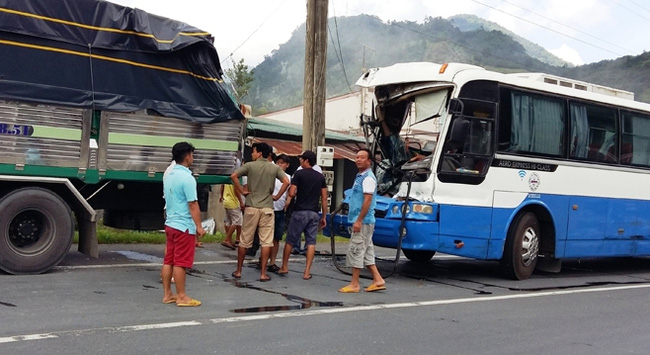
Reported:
(93, 96)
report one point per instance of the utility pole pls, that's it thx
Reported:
(313, 119)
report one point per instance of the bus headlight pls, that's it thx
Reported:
(397, 209)
(422, 208)
(415, 211)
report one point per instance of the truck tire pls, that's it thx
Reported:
(36, 230)
(522, 247)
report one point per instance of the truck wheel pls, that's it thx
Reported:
(522, 247)
(418, 256)
(36, 231)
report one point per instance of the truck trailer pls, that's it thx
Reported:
(93, 96)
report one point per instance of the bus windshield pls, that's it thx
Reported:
(407, 122)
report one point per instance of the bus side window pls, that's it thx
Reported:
(593, 133)
(635, 140)
(531, 124)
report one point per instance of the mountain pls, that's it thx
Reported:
(365, 41)
(631, 73)
(469, 23)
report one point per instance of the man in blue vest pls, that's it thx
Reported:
(362, 215)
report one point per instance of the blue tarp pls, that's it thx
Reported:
(96, 54)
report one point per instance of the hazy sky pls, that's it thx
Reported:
(579, 31)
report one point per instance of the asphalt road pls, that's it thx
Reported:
(112, 305)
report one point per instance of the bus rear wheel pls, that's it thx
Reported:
(36, 231)
(418, 256)
(522, 247)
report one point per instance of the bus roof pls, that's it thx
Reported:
(576, 84)
(460, 74)
(412, 72)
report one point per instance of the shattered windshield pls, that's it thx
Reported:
(406, 131)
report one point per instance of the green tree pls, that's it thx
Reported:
(241, 77)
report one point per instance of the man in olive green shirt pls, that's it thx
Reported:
(258, 215)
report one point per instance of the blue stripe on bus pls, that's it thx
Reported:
(584, 227)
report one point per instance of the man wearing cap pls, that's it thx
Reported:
(182, 225)
(261, 175)
(307, 186)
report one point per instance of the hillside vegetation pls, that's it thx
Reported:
(365, 41)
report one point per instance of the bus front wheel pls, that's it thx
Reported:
(522, 247)
(418, 256)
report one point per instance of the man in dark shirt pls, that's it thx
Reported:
(307, 186)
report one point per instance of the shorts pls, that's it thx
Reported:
(280, 224)
(361, 251)
(260, 219)
(180, 248)
(233, 217)
(302, 221)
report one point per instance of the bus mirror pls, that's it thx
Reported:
(456, 106)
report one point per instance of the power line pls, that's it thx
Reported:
(339, 55)
(630, 10)
(509, 14)
(548, 29)
(257, 29)
(423, 34)
(569, 27)
(639, 5)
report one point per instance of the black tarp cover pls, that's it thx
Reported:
(96, 54)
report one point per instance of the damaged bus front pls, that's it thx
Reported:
(424, 142)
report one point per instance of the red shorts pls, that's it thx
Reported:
(180, 248)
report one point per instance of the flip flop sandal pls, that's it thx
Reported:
(191, 303)
(229, 246)
(171, 300)
(373, 288)
(348, 289)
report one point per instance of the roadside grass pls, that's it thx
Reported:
(109, 235)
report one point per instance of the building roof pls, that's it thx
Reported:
(287, 138)
(258, 126)
(292, 148)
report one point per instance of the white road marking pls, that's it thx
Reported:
(27, 337)
(306, 313)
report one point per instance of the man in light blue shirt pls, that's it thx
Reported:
(182, 226)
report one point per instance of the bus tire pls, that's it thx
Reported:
(418, 256)
(36, 231)
(522, 247)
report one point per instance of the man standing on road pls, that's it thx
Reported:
(307, 186)
(182, 226)
(283, 162)
(361, 213)
(261, 175)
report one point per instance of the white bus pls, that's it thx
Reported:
(528, 169)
